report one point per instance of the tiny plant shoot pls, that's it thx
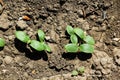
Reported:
(78, 71)
(74, 46)
(37, 45)
(2, 42)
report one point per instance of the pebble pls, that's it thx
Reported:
(30, 64)
(8, 59)
(25, 74)
(4, 22)
(93, 17)
(85, 24)
(80, 12)
(103, 62)
(47, 37)
(105, 71)
(11, 37)
(17, 59)
(21, 24)
(116, 39)
(54, 36)
(103, 28)
(116, 53)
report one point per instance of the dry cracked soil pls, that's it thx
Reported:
(98, 18)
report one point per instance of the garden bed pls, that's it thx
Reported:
(98, 18)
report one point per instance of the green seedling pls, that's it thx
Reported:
(74, 38)
(75, 73)
(81, 70)
(86, 48)
(74, 46)
(41, 35)
(2, 42)
(78, 71)
(79, 32)
(70, 30)
(22, 36)
(88, 39)
(71, 47)
(37, 45)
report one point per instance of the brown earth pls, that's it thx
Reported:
(99, 18)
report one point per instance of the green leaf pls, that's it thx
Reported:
(74, 39)
(89, 40)
(41, 35)
(81, 69)
(74, 73)
(37, 45)
(22, 36)
(71, 47)
(2, 42)
(70, 30)
(47, 48)
(87, 48)
(79, 32)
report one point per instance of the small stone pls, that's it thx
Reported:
(22, 24)
(116, 39)
(17, 59)
(92, 17)
(86, 26)
(80, 12)
(8, 59)
(103, 28)
(81, 20)
(54, 36)
(116, 56)
(30, 64)
(103, 61)
(47, 37)
(11, 37)
(84, 23)
(106, 62)
(106, 71)
(15, 52)
(4, 22)
(25, 74)
(98, 73)
(99, 54)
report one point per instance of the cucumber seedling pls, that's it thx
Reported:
(78, 71)
(2, 42)
(37, 45)
(75, 46)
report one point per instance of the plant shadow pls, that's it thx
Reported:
(1, 48)
(80, 55)
(84, 56)
(69, 56)
(31, 54)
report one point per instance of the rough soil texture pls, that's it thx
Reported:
(99, 18)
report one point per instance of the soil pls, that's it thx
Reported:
(98, 18)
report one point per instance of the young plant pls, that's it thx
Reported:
(81, 70)
(2, 42)
(22, 36)
(78, 71)
(37, 45)
(74, 46)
